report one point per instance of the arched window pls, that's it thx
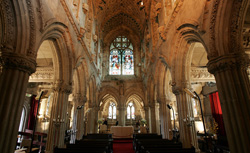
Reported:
(112, 111)
(131, 111)
(121, 57)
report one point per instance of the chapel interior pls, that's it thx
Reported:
(176, 68)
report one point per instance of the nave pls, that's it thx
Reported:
(177, 68)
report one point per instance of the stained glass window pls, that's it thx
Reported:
(130, 111)
(127, 62)
(112, 111)
(115, 62)
(121, 57)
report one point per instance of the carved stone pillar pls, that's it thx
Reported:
(14, 74)
(57, 124)
(233, 85)
(165, 117)
(186, 120)
(153, 118)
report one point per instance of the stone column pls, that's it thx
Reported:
(74, 125)
(96, 110)
(186, 122)
(147, 115)
(80, 101)
(153, 118)
(122, 111)
(164, 117)
(57, 124)
(92, 119)
(14, 74)
(233, 85)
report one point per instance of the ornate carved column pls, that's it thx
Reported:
(57, 124)
(164, 117)
(14, 74)
(186, 119)
(233, 85)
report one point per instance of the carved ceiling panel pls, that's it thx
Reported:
(113, 13)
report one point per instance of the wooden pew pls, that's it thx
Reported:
(155, 143)
(169, 150)
(87, 150)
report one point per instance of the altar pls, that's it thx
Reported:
(122, 131)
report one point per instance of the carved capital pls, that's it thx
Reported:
(67, 88)
(227, 62)
(11, 60)
(177, 90)
(60, 86)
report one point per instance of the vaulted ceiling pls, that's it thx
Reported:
(114, 14)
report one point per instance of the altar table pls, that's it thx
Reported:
(122, 131)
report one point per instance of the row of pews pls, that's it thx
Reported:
(92, 143)
(153, 143)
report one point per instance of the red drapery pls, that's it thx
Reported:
(33, 111)
(217, 112)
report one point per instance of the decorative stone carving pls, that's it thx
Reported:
(85, 8)
(148, 37)
(161, 32)
(75, 2)
(81, 34)
(95, 38)
(21, 62)
(45, 74)
(229, 61)
(201, 75)
(246, 38)
(31, 50)
(158, 7)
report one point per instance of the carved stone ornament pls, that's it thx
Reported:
(10, 60)
(228, 62)
(201, 75)
(42, 75)
(60, 86)
(148, 37)
(85, 8)
(82, 32)
(158, 7)
(95, 38)
(161, 32)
